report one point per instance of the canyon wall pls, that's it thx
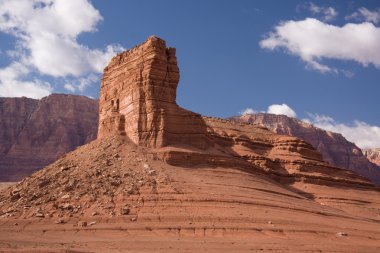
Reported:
(35, 133)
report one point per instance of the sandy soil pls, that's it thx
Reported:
(211, 209)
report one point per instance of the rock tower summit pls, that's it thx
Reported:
(138, 99)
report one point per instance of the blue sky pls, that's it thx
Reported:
(316, 60)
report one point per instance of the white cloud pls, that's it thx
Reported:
(56, 56)
(366, 15)
(313, 41)
(279, 109)
(282, 109)
(248, 111)
(361, 133)
(12, 84)
(46, 34)
(328, 13)
(80, 84)
(70, 87)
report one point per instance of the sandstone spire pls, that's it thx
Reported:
(138, 99)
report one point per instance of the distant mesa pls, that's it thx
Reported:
(334, 148)
(35, 133)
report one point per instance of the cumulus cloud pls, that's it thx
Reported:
(282, 109)
(46, 33)
(361, 133)
(279, 109)
(328, 13)
(363, 14)
(313, 41)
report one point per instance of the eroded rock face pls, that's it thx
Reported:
(334, 148)
(35, 133)
(373, 155)
(14, 113)
(138, 99)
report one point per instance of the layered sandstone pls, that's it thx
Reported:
(334, 148)
(35, 133)
(373, 155)
(138, 99)
(221, 186)
(285, 158)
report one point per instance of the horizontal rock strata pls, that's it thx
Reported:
(334, 148)
(138, 99)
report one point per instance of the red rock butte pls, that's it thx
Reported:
(138, 99)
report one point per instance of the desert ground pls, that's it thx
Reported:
(211, 209)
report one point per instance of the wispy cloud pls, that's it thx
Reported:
(363, 14)
(328, 13)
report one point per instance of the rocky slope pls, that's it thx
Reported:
(333, 146)
(34, 133)
(373, 155)
(145, 185)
